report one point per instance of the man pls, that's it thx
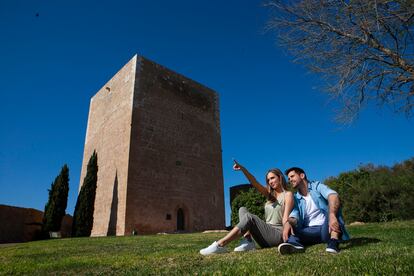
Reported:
(316, 216)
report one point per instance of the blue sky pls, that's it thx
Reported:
(271, 113)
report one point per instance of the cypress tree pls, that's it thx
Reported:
(55, 208)
(83, 215)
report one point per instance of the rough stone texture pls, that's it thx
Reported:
(108, 132)
(157, 135)
(24, 224)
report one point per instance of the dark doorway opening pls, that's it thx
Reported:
(180, 220)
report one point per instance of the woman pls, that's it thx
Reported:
(277, 209)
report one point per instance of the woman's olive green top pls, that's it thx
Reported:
(274, 211)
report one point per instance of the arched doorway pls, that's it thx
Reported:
(180, 220)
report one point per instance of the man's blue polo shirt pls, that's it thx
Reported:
(319, 193)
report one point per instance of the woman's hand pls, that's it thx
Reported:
(287, 231)
(236, 166)
(250, 177)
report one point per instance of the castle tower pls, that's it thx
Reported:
(157, 136)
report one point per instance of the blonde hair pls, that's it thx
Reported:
(282, 180)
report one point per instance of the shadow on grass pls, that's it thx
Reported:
(355, 242)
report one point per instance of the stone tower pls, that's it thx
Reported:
(157, 136)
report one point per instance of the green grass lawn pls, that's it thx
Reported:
(383, 248)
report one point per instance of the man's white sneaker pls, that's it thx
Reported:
(214, 248)
(245, 245)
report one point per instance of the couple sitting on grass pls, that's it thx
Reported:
(311, 215)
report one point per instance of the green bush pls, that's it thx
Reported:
(252, 200)
(375, 194)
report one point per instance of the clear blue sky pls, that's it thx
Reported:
(271, 113)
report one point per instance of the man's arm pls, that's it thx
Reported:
(334, 204)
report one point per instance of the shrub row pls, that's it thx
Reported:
(374, 194)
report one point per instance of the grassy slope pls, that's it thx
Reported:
(385, 248)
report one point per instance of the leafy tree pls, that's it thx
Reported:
(373, 194)
(55, 208)
(364, 49)
(252, 200)
(83, 215)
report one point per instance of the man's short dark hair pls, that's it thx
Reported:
(296, 169)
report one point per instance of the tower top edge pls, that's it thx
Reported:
(137, 60)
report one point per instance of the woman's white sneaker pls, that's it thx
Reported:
(214, 248)
(245, 245)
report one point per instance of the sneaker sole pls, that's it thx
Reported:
(289, 249)
(330, 250)
(243, 250)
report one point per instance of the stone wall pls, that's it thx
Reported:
(175, 159)
(108, 132)
(24, 224)
(157, 135)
